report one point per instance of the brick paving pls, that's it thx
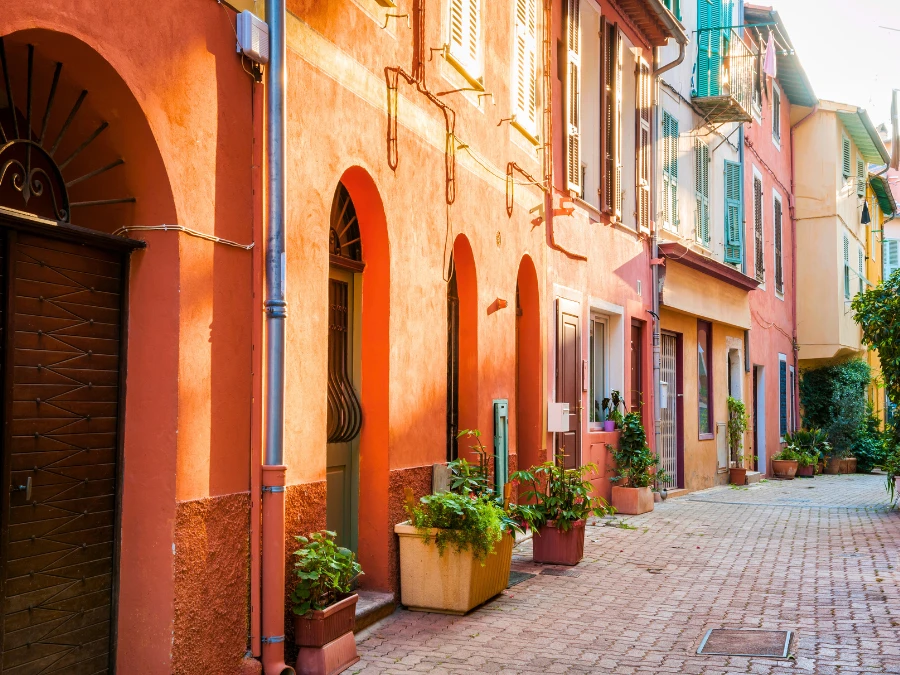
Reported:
(820, 557)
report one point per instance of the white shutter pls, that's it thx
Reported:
(619, 87)
(860, 177)
(891, 253)
(525, 76)
(642, 177)
(862, 270)
(573, 97)
(465, 35)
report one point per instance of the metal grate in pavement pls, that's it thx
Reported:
(556, 572)
(746, 642)
(518, 577)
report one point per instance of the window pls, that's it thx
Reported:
(861, 266)
(758, 228)
(525, 74)
(670, 171)
(860, 177)
(704, 375)
(846, 267)
(642, 140)
(612, 59)
(674, 6)
(573, 95)
(779, 261)
(776, 114)
(891, 256)
(792, 401)
(599, 382)
(701, 192)
(464, 43)
(734, 227)
(845, 157)
(756, 103)
(782, 394)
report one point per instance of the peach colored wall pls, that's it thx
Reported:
(178, 104)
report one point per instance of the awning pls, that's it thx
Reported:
(655, 21)
(882, 190)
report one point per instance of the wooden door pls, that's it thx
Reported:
(637, 365)
(344, 412)
(568, 378)
(63, 306)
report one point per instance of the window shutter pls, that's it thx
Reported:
(709, 58)
(776, 114)
(617, 158)
(573, 96)
(779, 262)
(782, 396)
(465, 35)
(670, 171)
(701, 191)
(758, 235)
(610, 89)
(860, 177)
(642, 182)
(891, 255)
(861, 266)
(845, 157)
(525, 77)
(734, 239)
(846, 268)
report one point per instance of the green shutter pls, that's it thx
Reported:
(701, 192)
(846, 267)
(845, 157)
(709, 59)
(670, 171)
(734, 230)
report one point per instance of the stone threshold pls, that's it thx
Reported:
(372, 607)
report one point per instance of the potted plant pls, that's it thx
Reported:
(737, 475)
(324, 605)
(611, 411)
(736, 428)
(636, 467)
(786, 463)
(456, 547)
(559, 503)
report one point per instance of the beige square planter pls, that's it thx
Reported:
(452, 583)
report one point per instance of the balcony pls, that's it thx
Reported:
(723, 84)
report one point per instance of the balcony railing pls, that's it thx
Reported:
(723, 81)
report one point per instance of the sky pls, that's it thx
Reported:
(847, 56)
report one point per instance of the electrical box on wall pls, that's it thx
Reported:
(253, 37)
(557, 417)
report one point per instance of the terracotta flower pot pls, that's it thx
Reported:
(552, 546)
(807, 471)
(319, 627)
(737, 476)
(833, 466)
(632, 501)
(849, 465)
(785, 468)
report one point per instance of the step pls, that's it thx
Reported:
(372, 607)
(753, 477)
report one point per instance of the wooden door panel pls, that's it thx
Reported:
(63, 313)
(568, 378)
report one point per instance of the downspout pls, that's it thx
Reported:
(654, 245)
(795, 346)
(273, 470)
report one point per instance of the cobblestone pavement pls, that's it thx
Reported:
(820, 557)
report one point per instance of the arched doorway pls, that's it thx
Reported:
(462, 347)
(529, 420)
(76, 157)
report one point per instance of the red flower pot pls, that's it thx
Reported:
(807, 471)
(737, 476)
(319, 627)
(785, 468)
(555, 547)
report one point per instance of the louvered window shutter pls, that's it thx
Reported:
(779, 261)
(619, 87)
(861, 266)
(846, 268)
(782, 396)
(776, 114)
(891, 255)
(465, 35)
(642, 182)
(670, 171)
(709, 58)
(734, 236)
(758, 236)
(701, 191)
(860, 177)
(573, 96)
(525, 76)
(845, 158)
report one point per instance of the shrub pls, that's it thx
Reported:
(634, 459)
(834, 399)
(870, 445)
(326, 572)
(466, 522)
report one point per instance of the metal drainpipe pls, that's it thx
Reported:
(654, 247)
(273, 470)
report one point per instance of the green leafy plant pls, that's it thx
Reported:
(558, 494)
(634, 461)
(834, 400)
(789, 454)
(811, 445)
(871, 444)
(325, 572)
(467, 478)
(611, 407)
(466, 522)
(877, 311)
(738, 420)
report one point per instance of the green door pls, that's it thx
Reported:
(344, 410)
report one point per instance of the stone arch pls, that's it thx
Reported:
(467, 289)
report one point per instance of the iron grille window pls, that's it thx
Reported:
(758, 229)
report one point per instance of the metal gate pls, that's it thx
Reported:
(668, 415)
(62, 345)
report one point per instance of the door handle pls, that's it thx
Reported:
(577, 410)
(24, 488)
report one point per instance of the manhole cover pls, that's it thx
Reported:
(518, 577)
(553, 572)
(746, 642)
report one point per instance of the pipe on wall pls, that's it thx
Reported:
(273, 471)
